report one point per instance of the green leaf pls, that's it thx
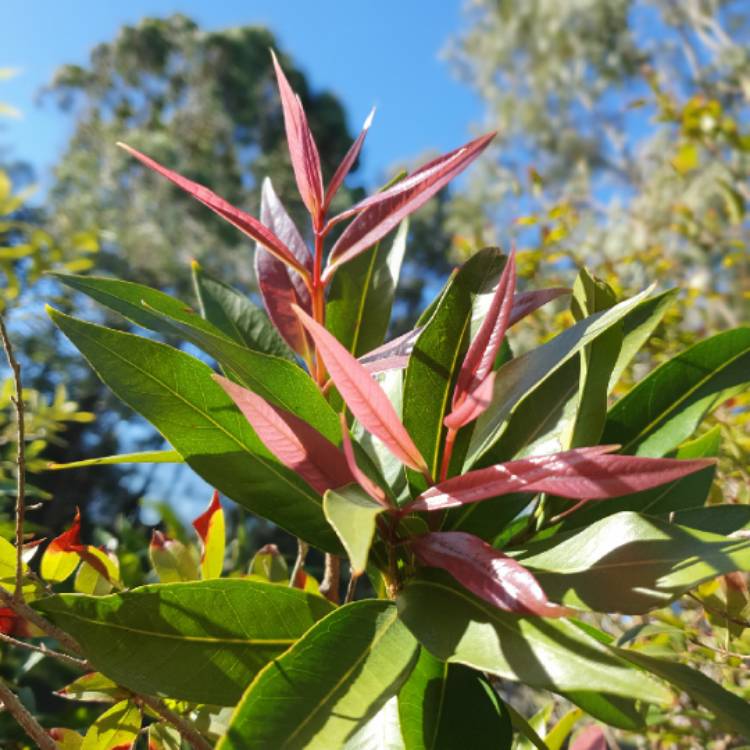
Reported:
(525, 729)
(665, 408)
(652, 562)
(719, 519)
(94, 687)
(444, 706)
(236, 316)
(144, 457)
(547, 654)
(437, 355)
(177, 394)
(519, 377)
(201, 642)
(486, 519)
(360, 297)
(328, 685)
(353, 514)
(163, 737)
(730, 709)
(382, 731)
(116, 729)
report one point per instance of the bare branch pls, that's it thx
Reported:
(71, 661)
(25, 720)
(302, 549)
(330, 585)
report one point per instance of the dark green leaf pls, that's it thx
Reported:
(177, 394)
(328, 685)
(200, 642)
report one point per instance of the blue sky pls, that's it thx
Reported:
(385, 53)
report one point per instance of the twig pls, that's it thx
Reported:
(302, 550)
(65, 658)
(25, 720)
(719, 613)
(330, 585)
(182, 725)
(350, 589)
(17, 400)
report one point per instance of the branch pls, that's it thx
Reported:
(330, 585)
(17, 400)
(302, 549)
(25, 720)
(71, 661)
(182, 725)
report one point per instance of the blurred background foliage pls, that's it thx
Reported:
(624, 145)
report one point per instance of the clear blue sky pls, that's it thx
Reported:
(369, 52)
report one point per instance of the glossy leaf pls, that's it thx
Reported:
(665, 408)
(210, 528)
(393, 355)
(243, 221)
(280, 286)
(353, 514)
(363, 395)
(360, 297)
(486, 572)
(382, 212)
(142, 457)
(381, 732)
(93, 687)
(302, 148)
(60, 558)
(545, 654)
(329, 684)
(297, 445)
(436, 360)
(116, 729)
(347, 162)
(172, 560)
(201, 642)
(516, 379)
(445, 706)
(177, 394)
(651, 560)
(235, 315)
(583, 473)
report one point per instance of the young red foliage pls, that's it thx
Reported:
(203, 522)
(372, 489)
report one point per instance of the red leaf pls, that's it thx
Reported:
(302, 148)
(294, 442)
(12, 624)
(590, 738)
(70, 540)
(280, 286)
(526, 302)
(347, 162)
(473, 405)
(380, 213)
(239, 219)
(203, 521)
(486, 572)
(363, 480)
(363, 395)
(582, 473)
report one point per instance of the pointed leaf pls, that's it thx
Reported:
(542, 653)
(347, 162)
(94, 687)
(382, 212)
(270, 564)
(177, 394)
(525, 303)
(60, 558)
(279, 286)
(363, 395)
(239, 219)
(371, 488)
(583, 473)
(294, 442)
(393, 355)
(486, 572)
(353, 514)
(200, 642)
(235, 315)
(143, 457)
(328, 685)
(302, 148)
(210, 528)
(116, 729)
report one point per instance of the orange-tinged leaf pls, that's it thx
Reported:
(66, 739)
(363, 395)
(60, 558)
(211, 530)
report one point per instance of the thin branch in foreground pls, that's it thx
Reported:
(71, 661)
(351, 587)
(25, 720)
(17, 400)
(331, 578)
(302, 549)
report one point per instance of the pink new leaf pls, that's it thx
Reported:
(302, 148)
(295, 443)
(486, 572)
(372, 489)
(347, 163)
(380, 213)
(525, 303)
(472, 386)
(239, 219)
(590, 738)
(363, 395)
(280, 286)
(580, 474)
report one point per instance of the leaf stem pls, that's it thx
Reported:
(17, 400)
(450, 441)
(302, 549)
(25, 720)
